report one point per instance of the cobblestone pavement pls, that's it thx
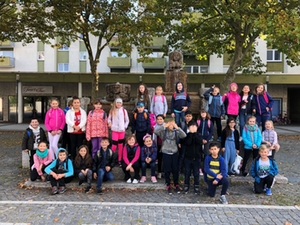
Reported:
(19, 204)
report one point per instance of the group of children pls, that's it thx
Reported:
(171, 144)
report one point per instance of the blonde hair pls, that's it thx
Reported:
(263, 147)
(271, 122)
(159, 87)
(250, 117)
(113, 108)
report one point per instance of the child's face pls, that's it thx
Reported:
(158, 91)
(34, 123)
(76, 104)
(131, 142)
(140, 109)
(142, 88)
(203, 115)
(118, 104)
(264, 153)
(268, 125)
(216, 91)
(159, 120)
(233, 88)
(82, 152)
(54, 104)
(251, 121)
(260, 89)
(214, 151)
(246, 89)
(188, 118)
(193, 128)
(42, 147)
(232, 124)
(62, 156)
(179, 86)
(104, 144)
(148, 142)
(97, 106)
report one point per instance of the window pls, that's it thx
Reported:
(63, 67)
(116, 54)
(196, 69)
(64, 47)
(273, 55)
(83, 56)
(41, 56)
(7, 53)
(156, 55)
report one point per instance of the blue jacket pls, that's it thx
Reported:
(205, 130)
(247, 137)
(149, 152)
(140, 123)
(210, 172)
(261, 104)
(215, 106)
(254, 169)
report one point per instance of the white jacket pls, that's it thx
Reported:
(70, 120)
(120, 121)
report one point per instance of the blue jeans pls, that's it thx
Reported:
(179, 116)
(103, 175)
(262, 119)
(152, 166)
(243, 119)
(189, 165)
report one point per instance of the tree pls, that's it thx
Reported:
(231, 27)
(132, 21)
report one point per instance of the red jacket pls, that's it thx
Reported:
(96, 125)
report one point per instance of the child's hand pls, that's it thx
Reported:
(26, 150)
(131, 170)
(109, 125)
(166, 125)
(173, 115)
(179, 145)
(254, 146)
(237, 151)
(223, 149)
(128, 167)
(219, 176)
(175, 125)
(215, 182)
(213, 86)
(184, 108)
(165, 115)
(267, 108)
(107, 168)
(95, 176)
(60, 175)
(204, 141)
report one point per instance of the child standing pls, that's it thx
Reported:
(215, 172)
(104, 161)
(55, 122)
(32, 136)
(264, 170)
(66, 138)
(215, 107)
(206, 129)
(230, 144)
(148, 157)
(143, 96)
(231, 101)
(269, 138)
(41, 159)
(131, 156)
(247, 106)
(252, 140)
(141, 123)
(264, 103)
(61, 172)
(192, 157)
(76, 120)
(170, 133)
(180, 103)
(118, 122)
(83, 166)
(159, 104)
(96, 126)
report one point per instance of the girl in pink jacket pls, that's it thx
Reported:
(231, 101)
(55, 121)
(96, 126)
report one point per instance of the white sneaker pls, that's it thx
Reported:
(135, 181)
(129, 180)
(241, 139)
(223, 199)
(159, 175)
(200, 172)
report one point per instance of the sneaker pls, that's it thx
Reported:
(80, 182)
(99, 191)
(153, 179)
(245, 174)
(265, 189)
(197, 190)
(120, 164)
(61, 190)
(143, 179)
(219, 139)
(135, 181)
(231, 174)
(169, 190)
(129, 180)
(177, 189)
(54, 190)
(200, 172)
(159, 175)
(223, 199)
(268, 191)
(186, 189)
(241, 139)
(88, 188)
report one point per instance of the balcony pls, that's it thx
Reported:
(7, 62)
(158, 63)
(7, 44)
(119, 62)
(158, 42)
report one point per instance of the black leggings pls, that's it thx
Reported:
(247, 153)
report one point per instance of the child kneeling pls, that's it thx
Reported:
(215, 172)
(263, 170)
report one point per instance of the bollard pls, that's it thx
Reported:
(25, 160)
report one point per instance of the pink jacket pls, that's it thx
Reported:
(55, 119)
(231, 100)
(96, 125)
(38, 161)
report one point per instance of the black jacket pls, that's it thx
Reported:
(111, 158)
(193, 143)
(29, 139)
(250, 105)
(236, 139)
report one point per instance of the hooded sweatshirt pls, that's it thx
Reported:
(180, 99)
(61, 165)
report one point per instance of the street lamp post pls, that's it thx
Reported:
(267, 82)
(17, 98)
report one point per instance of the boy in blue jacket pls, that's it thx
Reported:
(263, 170)
(61, 171)
(215, 172)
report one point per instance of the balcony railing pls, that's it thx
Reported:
(7, 44)
(118, 62)
(158, 63)
(7, 62)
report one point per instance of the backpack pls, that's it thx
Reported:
(145, 115)
(162, 98)
(104, 114)
(266, 98)
(208, 123)
(165, 136)
(175, 93)
(152, 120)
(210, 101)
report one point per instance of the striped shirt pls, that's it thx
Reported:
(214, 166)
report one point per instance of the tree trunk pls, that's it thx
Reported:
(95, 80)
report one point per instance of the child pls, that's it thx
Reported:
(143, 96)
(148, 157)
(159, 104)
(104, 161)
(269, 138)
(131, 156)
(215, 172)
(118, 122)
(157, 140)
(252, 140)
(83, 166)
(54, 122)
(230, 144)
(264, 103)
(41, 159)
(141, 123)
(96, 126)
(180, 103)
(170, 133)
(192, 157)
(32, 136)
(247, 106)
(61, 172)
(231, 101)
(206, 129)
(215, 107)
(76, 120)
(264, 170)
(65, 137)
